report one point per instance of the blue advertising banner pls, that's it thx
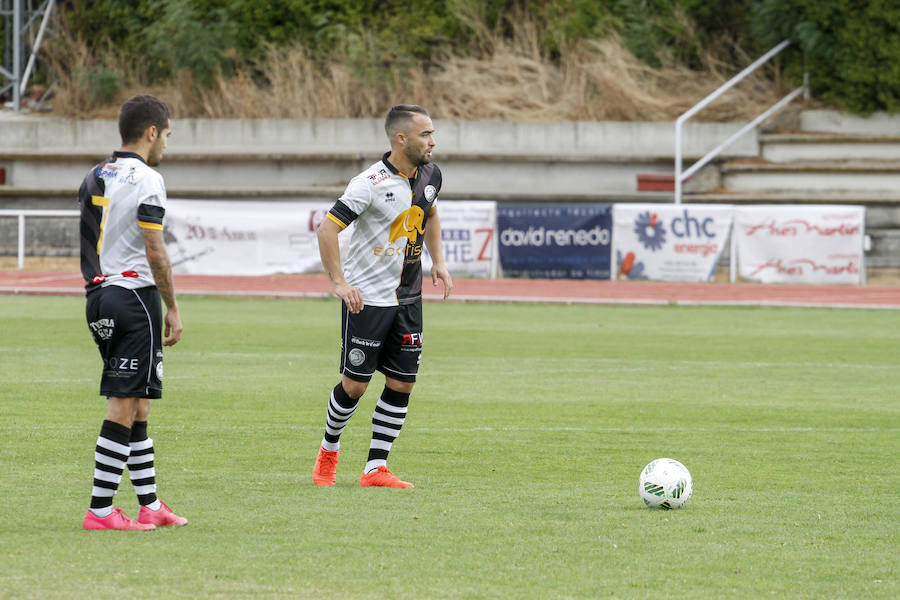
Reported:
(556, 241)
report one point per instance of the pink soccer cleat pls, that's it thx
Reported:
(160, 518)
(114, 520)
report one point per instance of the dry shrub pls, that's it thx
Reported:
(505, 77)
(292, 85)
(511, 78)
(79, 70)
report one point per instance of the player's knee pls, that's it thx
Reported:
(404, 387)
(121, 410)
(354, 389)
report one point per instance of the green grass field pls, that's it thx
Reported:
(525, 439)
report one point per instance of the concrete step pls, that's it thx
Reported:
(810, 147)
(465, 173)
(832, 121)
(851, 177)
(12, 197)
(882, 210)
(793, 197)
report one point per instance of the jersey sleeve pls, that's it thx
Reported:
(352, 203)
(435, 180)
(152, 206)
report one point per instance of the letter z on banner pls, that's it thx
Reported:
(468, 238)
(800, 244)
(669, 242)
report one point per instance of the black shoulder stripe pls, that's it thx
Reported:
(149, 213)
(343, 213)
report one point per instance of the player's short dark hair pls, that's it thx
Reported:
(399, 116)
(140, 112)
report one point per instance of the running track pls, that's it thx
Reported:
(561, 291)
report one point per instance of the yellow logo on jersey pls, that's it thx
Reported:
(410, 223)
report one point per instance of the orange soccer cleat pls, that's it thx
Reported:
(383, 477)
(325, 471)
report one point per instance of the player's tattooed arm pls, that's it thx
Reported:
(160, 265)
(162, 275)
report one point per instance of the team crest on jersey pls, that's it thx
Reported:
(409, 224)
(356, 357)
(430, 192)
(389, 197)
(103, 328)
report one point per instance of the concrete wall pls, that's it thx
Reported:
(620, 139)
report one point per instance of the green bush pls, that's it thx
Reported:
(851, 49)
(99, 85)
(159, 37)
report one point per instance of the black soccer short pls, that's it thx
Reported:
(382, 338)
(126, 325)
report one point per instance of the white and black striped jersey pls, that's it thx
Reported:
(389, 213)
(118, 198)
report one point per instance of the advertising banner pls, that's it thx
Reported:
(468, 239)
(800, 244)
(555, 241)
(213, 237)
(669, 242)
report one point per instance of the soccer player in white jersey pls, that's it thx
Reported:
(392, 207)
(126, 270)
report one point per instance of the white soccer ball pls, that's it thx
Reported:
(665, 483)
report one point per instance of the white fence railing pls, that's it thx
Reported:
(21, 214)
(682, 176)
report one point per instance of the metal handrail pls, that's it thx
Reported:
(32, 212)
(682, 176)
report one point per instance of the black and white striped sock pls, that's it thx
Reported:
(387, 420)
(340, 408)
(140, 465)
(110, 456)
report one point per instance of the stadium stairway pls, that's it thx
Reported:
(830, 158)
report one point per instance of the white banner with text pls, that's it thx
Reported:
(216, 237)
(669, 242)
(800, 244)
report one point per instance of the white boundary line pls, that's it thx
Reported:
(26, 289)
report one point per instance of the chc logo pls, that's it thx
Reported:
(651, 231)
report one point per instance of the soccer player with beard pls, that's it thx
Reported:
(126, 270)
(392, 207)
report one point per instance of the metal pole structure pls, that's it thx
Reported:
(679, 124)
(22, 241)
(17, 54)
(36, 47)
